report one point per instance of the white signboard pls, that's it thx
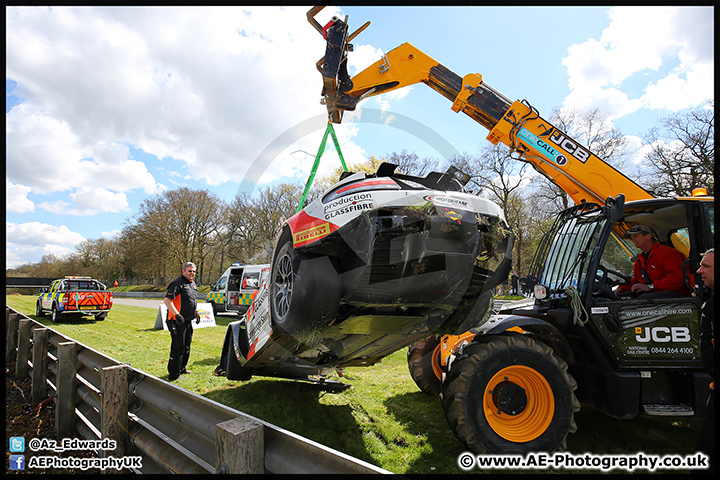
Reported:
(207, 318)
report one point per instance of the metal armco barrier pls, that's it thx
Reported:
(171, 429)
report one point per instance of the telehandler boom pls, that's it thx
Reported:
(580, 173)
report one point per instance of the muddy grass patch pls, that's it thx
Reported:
(29, 420)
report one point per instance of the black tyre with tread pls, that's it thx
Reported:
(510, 394)
(420, 358)
(55, 315)
(304, 289)
(234, 370)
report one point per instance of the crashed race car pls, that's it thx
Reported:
(378, 262)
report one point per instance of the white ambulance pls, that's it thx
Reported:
(236, 288)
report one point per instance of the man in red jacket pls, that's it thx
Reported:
(657, 272)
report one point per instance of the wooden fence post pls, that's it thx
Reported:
(114, 411)
(240, 446)
(23, 347)
(66, 384)
(11, 335)
(40, 364)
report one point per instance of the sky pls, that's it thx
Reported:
(109, 106)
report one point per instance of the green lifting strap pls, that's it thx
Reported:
(320, 152)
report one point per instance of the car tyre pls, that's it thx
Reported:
(55, 315)
(235, 371)
(304, 289)
(38, 310)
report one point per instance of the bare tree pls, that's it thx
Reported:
(50, 266)
(179, 225)
(592, 129)
(688, 161)
(143, 256)
(254, 222)
(409, 163)
(496, 172)
(101, 258)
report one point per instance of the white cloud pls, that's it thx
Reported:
(206, 86)
(362, 57)
(36, 234)
(640, 41)
(32, 240)
(16, 255)
(87, 201)
(676, 93)
(636, 149)
(111, 234)
(44, 153)
(16, 198)
(41, 151)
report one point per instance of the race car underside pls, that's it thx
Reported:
(375, 264)
(403, 278)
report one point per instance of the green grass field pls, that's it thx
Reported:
(383, 418)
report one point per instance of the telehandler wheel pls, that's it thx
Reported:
(420, 357)
(510, 394)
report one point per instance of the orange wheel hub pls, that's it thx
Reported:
(518, 403)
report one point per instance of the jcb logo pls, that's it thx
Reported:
(662, 334)
(577, 151)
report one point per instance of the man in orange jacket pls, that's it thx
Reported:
(657, 272)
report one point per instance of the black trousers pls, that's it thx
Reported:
(180, 349)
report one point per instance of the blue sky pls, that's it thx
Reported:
(108, 106)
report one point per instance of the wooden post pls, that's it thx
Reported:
(12, 335)
(114, 412)
(66, 384)
(40, 364)
(240, 446)
(23, 347)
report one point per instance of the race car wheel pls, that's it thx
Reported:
(304, 289)
(510, 395)
(38, 310)
(420, 357)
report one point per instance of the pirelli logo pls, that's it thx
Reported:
(311, 234)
